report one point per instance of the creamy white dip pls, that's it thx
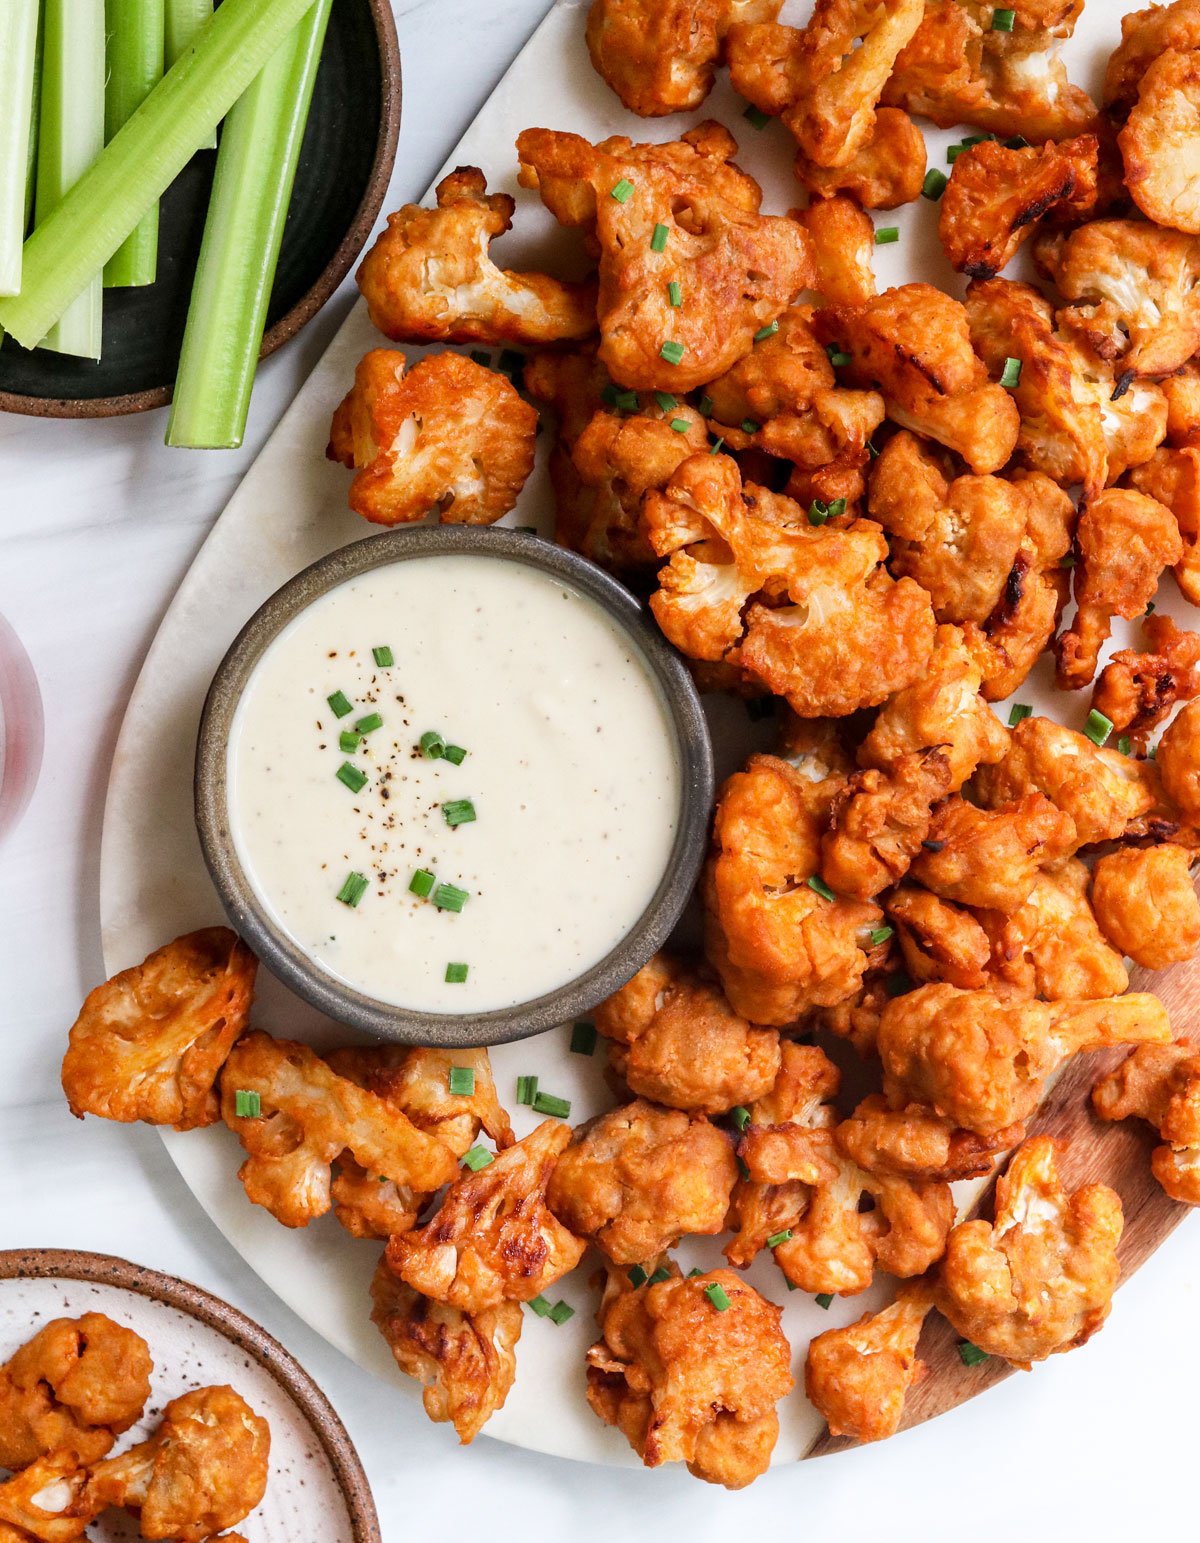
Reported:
(571, 771)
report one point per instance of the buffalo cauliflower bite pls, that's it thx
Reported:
(676, 1041)
(913, 344)
(1146, 905)
(47, 1501)
(661, 58)
(1039, 1279)
(1161, 1084)
(636, 1180)
(1052, 946)
(914, 1142)
(1158, 142)
(494, 1238)
(1134, 285)
(1137, 690)
(826, 80)
(1104, 792)
(779, 946)
(959, 68)
(737, 268)
(1182, 391)
(858, 1377)
(465, 1361)
(843, 249)
(1172, 477)
(1179, 762)
(203, 1469)
(939, 941)
(1145, 35)
(879, 821)
(1124, 540)
(778, 1144)
(992, 857)
(309, 1119)
(149, 1044)
(449, 436)
(889, 170)
(429, 278)
(996, 196)
(74, 1387)
(849, 636)
(982, 1062)
(690, 1371)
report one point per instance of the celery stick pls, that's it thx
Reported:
(18, 51)
(256, 169)
(35, 108)
(136, 168)
(184, 20)
(71, 136)
(135, 66)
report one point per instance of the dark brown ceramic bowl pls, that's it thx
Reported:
(345, 167)
(252, 918)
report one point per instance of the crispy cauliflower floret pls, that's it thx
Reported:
(778, 1144)
(778, 946)
(826, 80)
(1145, 903)
(203, 1469)
(429, 279)
(913, 344)
(917, 1143)
(690, 1371)
(996, 196)
(46, 1501)
(1136, 283)
(1040, 1278)
(1104, 792)
(858, 1377)
(676, 1041)
(736, 268)
(1125, 540)
(889, 170)
(879, 821)
(1137, 690)
(843, 250)
(850, 635)
(1172, 477)
(466, 1362)
(494, 1239)
(1052, 946)
(1158, 142)
(661, 58)
(1145, 35)
(1161, 1084)
(74, 1387)
(992, 857)
(149, 1044)
(639, 1178)
(1179, 762)
(982, 1062)
(939, 941)
(1182, 391)
(959, 68)
(449, 436)
(309, 1119)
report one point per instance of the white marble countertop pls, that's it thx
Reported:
(98, 523)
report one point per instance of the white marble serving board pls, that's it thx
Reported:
(290, 510)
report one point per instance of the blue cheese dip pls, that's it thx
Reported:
(454, 783)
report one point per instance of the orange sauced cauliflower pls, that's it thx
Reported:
(1145, 34)
(1137, 690)
(1052, 946)
(843, 250)
(1158, 142)
(1179, 762)
(859, 1377)
(992, 857)
(1172, 477)
(879, 821)
(1161, 1084)
(887, 171)
(1145, 903)
(939, 941)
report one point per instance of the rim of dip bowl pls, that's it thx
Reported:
(283, 956)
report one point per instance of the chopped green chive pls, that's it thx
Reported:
(658, 241)
(970, 140)
(354, 779)
(717, 1295)
(433, 746)
(539, 1305)
(675, 293)
(1068, 561)
(818, 512)
(550, 1103)
(872, 450)
(456, 974)
(777, 1238)
(526, 1089)
(481, 358)
(740, 1116)
(971, 1355)
(1149, 611)
(1098, 727)
(1125, 745)
(422, 883)
(1152, 753)
(626, 401)
(887, 235)
(583, 1038)
(715, 447)
(622, 191)
(672, 352)
(1002, 21)
(637, 1276)
(881, 935)
(461, 1081)
(560, 1312)
(680, 425)
(756, 118)
(818, 884)
(666, 401)
(953, 152)
(766, 332)
(1017, 142)
(349, 742)
(934, 185)
(247, 1106)
(704, 406)
(353, 889)
(825, 1300)
(790, 1284)
(694, 1271)
(448, 897)
(1018, 711)
(1010, 376)
(477, 1158)
(369, 724)
(383, 656)
(660, 1275)
(459, 811)
(455, 754)
(838, 356)
(340, 703)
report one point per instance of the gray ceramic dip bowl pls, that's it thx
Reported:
(251, 916)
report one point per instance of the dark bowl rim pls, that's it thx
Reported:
(284, 958)
(327, 283)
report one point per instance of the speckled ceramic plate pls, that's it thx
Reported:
(317, 1488)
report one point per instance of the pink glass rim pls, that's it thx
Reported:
(21, 729)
